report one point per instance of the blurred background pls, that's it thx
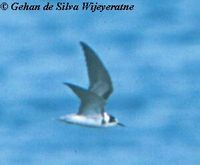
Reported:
(153, 56)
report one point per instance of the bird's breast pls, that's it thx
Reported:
(83, 120)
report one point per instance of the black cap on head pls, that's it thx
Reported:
(112, 119)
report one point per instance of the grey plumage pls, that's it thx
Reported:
(91, 104)
(93, 99)
(91, 111)
(100, 81)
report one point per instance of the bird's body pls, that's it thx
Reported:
(82, 120)
(91, 111)
(91, 121)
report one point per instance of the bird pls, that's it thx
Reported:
(91, 111)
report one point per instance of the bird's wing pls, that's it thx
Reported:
(91, 104)
(100, 81)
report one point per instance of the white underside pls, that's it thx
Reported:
(82, 120)
(89, 121)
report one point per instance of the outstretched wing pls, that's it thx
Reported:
(100, 81)
(91, 104)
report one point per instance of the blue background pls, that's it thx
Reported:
(153, 56)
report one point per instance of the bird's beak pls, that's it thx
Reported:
(120, 124)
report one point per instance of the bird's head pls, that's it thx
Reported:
(111, 120)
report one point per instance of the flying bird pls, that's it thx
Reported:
(91, 110)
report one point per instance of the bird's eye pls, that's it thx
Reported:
(112, 119)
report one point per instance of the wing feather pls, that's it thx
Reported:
(91, 104)
(100, 81)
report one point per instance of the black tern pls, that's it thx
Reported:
(91, 111)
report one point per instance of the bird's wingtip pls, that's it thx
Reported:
(68, 84)
(65, 83)
(84, 45)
